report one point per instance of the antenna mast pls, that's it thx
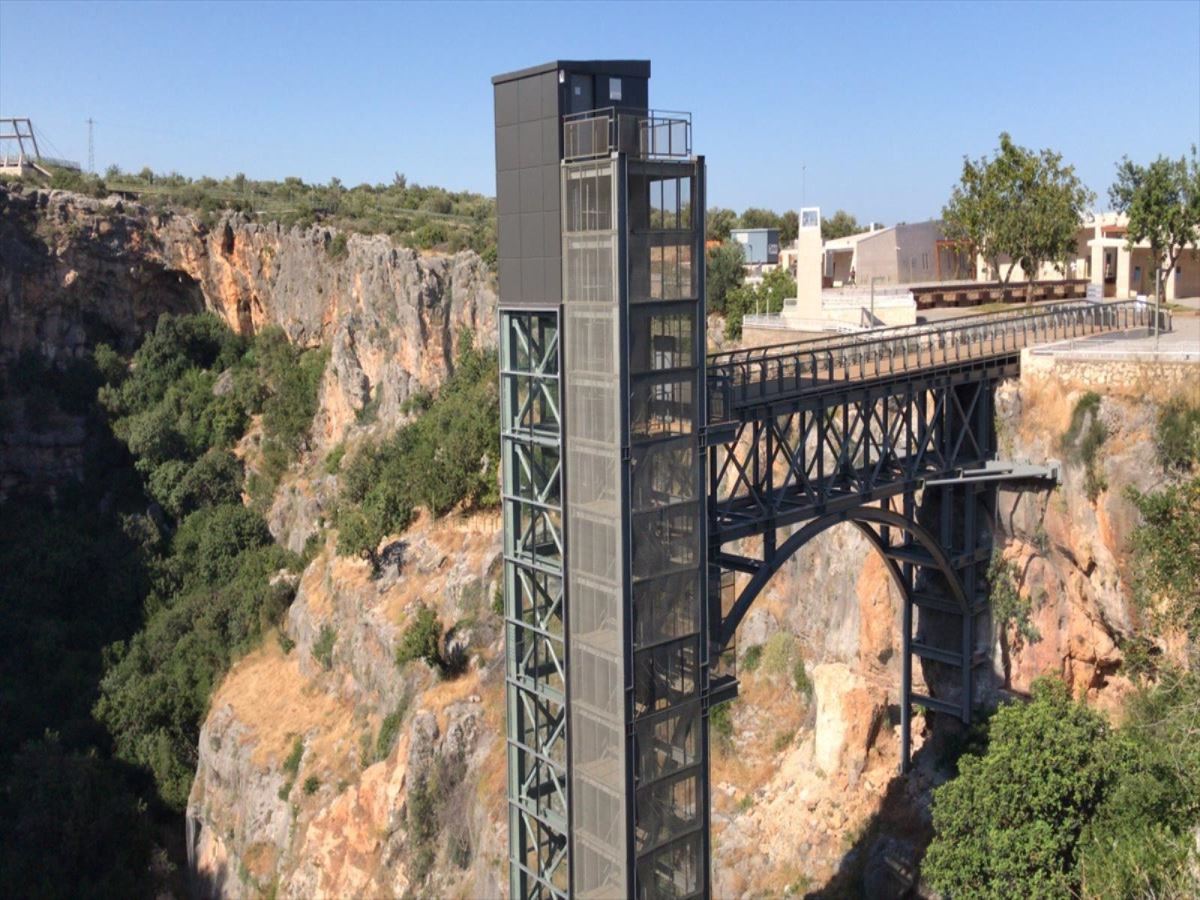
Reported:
(91, 148)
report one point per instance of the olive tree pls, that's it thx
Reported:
(1162, 201)
(1022, 204)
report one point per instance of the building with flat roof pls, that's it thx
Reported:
(899, 254)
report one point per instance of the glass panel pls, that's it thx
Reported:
(668, 742)
(665, 540)
(660, 341)
(667, 809)
(663, 473)
(666, 607)
(665, 675)
(662, 406)
(672, 872)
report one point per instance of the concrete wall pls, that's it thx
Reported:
(877, 258)
(916, 260)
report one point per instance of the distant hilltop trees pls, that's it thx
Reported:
(425, 217)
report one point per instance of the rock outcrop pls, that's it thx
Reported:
(75, 271)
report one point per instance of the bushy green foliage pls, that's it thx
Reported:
(1140, 842)
(752, 657)
(726, 273)
(1013, 817)
(1009, 608)
(414, 215)
(800, 679)
(70, 826)
(291, 764)
(389, 729)
(422, 640)
(312, 784)
(1082, 441)
(186, 398)
(720, 723)
(765, 297)
(447, 456)
(322, 649)
(779, 653)
(1177, 434)
(1166, 558)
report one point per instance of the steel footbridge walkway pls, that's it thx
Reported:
(892, 431)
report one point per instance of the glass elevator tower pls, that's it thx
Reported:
(600, 212)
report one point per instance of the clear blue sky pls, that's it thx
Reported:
(880, 102)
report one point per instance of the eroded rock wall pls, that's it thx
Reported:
(75, 271)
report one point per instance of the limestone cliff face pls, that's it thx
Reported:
(75, 271)
(254, 826)
(805, 791)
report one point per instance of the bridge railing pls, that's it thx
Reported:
(761, 373)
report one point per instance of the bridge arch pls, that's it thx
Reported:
(865, 518)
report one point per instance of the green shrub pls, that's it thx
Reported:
(333, 461)
(1009, 608)
(445, 457)
(1012, 819)
(1082, 441)
(1140, 841)
(778, 654)
(1166, 558)
(336, 248)
(322, 649)
(1177, 434)
(800, 679)
(312, 784)
(422, 640)
(389, 730)
(286, 644)
(720, 723)
(766, 297)
(752, 657)
(291, 764)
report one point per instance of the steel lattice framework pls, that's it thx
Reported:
(817, 433)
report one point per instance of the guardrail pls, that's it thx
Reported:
(647, 134)
(763, 373)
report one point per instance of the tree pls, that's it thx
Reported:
(422, 640)
(719, 222)
(1162, 201)
(1020, 204)
(726, 271)
(840, 224)
(1012, 819)
(765, 297)
(789, 229)
(754, 217)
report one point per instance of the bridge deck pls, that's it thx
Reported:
(741, 380)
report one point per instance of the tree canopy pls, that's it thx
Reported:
(1162, 201)
(1020, 204)
(840, 224)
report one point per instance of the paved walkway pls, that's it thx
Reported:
(1182, 342)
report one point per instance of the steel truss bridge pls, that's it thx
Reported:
(893, 432)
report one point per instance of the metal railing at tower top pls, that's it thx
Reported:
(646, 134)
(778, 371)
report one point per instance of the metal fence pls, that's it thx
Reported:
(647, 134)
(765, 373)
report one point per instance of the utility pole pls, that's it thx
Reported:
(91, 148)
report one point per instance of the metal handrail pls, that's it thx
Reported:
(875, 334)
(645, 133)
(788, 368)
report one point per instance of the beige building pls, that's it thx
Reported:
(900, 254)
(1102, 257)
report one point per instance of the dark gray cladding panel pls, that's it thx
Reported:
(529, 106)
(527, 205)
